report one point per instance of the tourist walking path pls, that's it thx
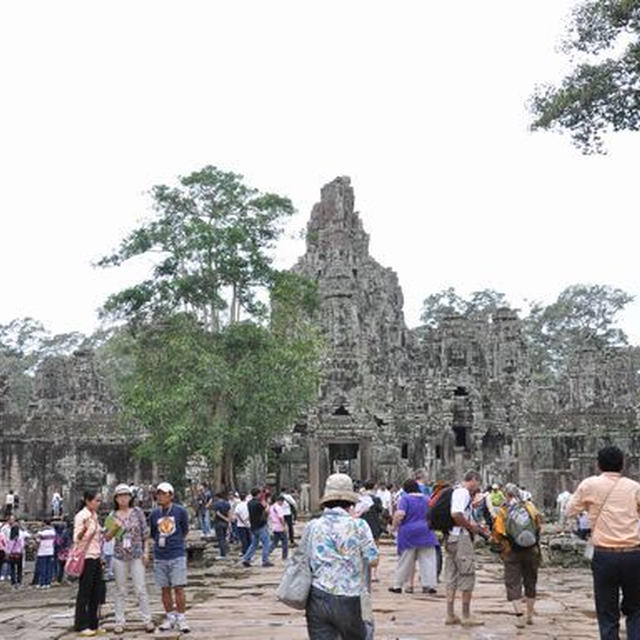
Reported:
(229, 601)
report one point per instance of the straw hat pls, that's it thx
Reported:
(339, 486)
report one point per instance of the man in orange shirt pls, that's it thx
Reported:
(613, 505)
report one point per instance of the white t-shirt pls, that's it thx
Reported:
(5, 530)
(289, 502)
(364, 504)
(385, 498)
(460, 503)
(242, 515)
(47, 539)
(9, 500)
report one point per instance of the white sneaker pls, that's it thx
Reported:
(182, 626)
(168, 623)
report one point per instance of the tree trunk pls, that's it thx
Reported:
(234, 303)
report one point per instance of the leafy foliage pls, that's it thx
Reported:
(480, 305)
(212, 235)
(200, 385)
(583, 316)
(24, 344)
(602, 93)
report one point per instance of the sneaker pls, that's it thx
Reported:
(399, 589)
(268, 564)
(182, 626)
(87, 633)
(429, 590)
(168, 623)
(471, 622)
(246, 564)
(520, 623)
(452, 620)
(101, 631)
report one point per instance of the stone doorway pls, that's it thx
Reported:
(349, 456)
(344, 458)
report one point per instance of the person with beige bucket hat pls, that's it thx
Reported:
(341, 549)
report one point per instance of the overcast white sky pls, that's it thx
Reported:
(422, 103)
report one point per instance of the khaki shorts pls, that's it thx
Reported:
(459, 566)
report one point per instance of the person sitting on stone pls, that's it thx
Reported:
(516, 530)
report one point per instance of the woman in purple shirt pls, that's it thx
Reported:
(415, 540)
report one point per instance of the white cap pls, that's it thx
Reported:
(165, 487)
(122, 488)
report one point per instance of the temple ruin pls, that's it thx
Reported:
(448, 398)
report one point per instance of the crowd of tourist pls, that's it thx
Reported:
(434, 526)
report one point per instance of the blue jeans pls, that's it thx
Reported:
(280, 536)
(244, 535)
(258, 536)
(613, 572)
(205, 522)
(44, 570)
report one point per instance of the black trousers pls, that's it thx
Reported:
(332, 617)
(289, 520)
(615, 572)
(90, 595)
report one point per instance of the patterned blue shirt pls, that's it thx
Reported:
(341, 548)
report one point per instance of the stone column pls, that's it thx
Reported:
(365, 459)
(314, 474)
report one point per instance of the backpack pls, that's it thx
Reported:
(372, 517)
(519, 526)
(439, 515)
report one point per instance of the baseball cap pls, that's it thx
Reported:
(122, 488)
(165, 487)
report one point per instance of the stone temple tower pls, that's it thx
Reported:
(360, 313)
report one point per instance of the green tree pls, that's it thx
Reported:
(24, 344)
(212, 235)
(583, 316)
(197, 382)
(602, 92)
(479, 306)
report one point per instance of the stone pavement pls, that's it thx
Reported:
(228, 601)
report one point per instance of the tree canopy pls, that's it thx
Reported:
(602, 92)
(480, 305)
(583, 316)
(24, 344)
(200, 382)
(211, 237)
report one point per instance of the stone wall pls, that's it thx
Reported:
(447, 398)
(68, 441)
(392, 399)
